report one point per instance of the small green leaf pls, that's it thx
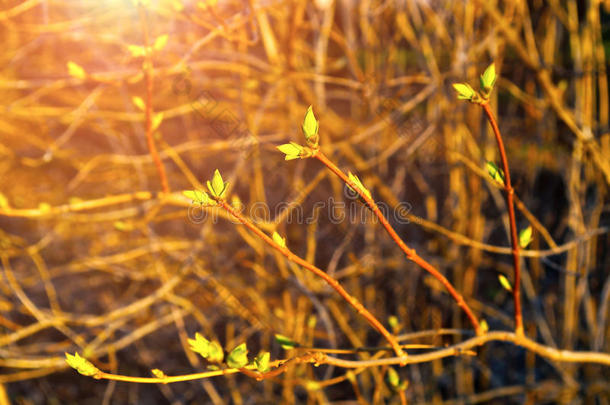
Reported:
(393, 378)
(525, 237)
(262, 362)
(200, 345)
(136, 51)
(44, 207)
(354, 179)
(279, 240)
(138, 102)
(495, 172)
(310, 127)
(393, 321)
(312, 321)
(488, 78)
(198, 196)
(3, 201)
(238, 357)
(160, 42)
(217, 187)
(123, 226)
(82, 365)
(465, 92)
(505, 283)
(216, 352)
(157, 119)
(484, 326)
(158, 373)
(75, 70)
(217, 182)
(292, 150)
(285, 342)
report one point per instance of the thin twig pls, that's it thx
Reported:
(317, 358)
(519, 340)
(510, 192)
(147, 69)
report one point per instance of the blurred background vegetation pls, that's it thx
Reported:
(94, 259)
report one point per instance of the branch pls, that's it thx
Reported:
(410, 253)
(320, 273)
(510, 193)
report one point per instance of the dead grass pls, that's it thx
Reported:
(96, 260)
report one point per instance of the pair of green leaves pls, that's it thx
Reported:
(237, 358)
(292, 151)
(217, 186)
(217, 189)
(487, 79)
(310, 129)
(394, 382)
(496, 173)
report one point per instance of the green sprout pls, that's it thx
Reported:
(354, 179)
(310, 128)
(505, 283)
(285, 342)
(238, 357)
(465, 92)
(158, 373)
(393, 322)
(488, 79)
(210, 350)
(525, 237)
(217, 187)
(292, 150)
(198, 196)
(495, 172)
(200, 345)
(279, 240)
(216, 354)
(484, 326)
(393, 380)
(82, 365)
(261, 361)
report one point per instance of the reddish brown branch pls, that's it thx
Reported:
(410, 253)
(318, 272)
(508, 188)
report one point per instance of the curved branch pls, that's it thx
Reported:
(455, 350)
